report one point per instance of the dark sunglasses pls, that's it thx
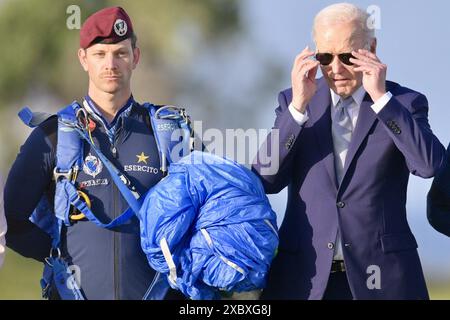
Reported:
(326, 58)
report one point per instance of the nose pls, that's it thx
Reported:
(110, 62)
(336, 65)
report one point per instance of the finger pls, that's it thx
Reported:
(303, 55)
(364, 62)
(373, 60)
(307, 51)
(297, 63)
(369, 54)
(375, 67)
(300, 67)
(300, 61)
(306, 66)
(360, 56)
(366, 57)
(364, 69)
(313, 72)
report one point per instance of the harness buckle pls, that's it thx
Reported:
(57, 175)
(82, 118)
(54, 253)
(175, 113)
(77, 216)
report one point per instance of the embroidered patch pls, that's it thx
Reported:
(92, 165)
(142, 158)
(120, 27)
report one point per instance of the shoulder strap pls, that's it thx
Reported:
(69, 156)
(69, 146)
(69, 159)
(173, 133)
(33, 119)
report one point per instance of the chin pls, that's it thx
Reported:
(345, 90)
(111, 89)
(342, 91)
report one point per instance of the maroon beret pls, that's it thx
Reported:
(109, 25)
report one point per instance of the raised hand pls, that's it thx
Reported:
(374, 72)
(303, 77)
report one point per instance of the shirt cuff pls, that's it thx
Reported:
(299, 117)
(381, 102)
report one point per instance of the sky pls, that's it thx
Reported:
(413, 40)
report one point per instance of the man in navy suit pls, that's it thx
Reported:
(347, 144)
(438, 201)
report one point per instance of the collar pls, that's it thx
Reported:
(90, 107)
(358, 96)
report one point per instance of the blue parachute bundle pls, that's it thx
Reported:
(209, 226)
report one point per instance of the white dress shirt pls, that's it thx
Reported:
(2, 225)
(353, 111)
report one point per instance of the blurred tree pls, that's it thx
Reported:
(40, 51)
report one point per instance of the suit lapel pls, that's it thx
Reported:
(366, 118)
(320, 116)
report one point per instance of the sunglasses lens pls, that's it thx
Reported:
(345, 58)
(324, 58)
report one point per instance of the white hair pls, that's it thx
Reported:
(343, 13)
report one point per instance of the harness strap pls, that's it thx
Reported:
(169, 260)
(172, 131)
(33, 119)
(221, 257)
(68, 191)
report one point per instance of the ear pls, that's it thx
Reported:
(83, 59)
(136, 56)
(373, 46)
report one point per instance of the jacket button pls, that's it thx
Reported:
(340, 204)
(330, 245)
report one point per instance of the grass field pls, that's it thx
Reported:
(19, 279)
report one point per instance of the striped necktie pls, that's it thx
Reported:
(342, 129)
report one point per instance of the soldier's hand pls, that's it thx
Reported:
(303, 77)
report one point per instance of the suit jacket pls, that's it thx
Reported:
(438, 201)
(368, 207)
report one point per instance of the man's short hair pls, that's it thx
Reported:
(342, 13)
(133, 40)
